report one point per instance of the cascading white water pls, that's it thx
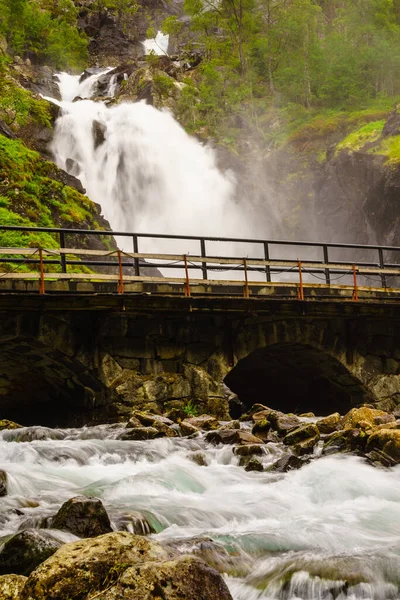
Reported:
(326, 532)
(147, 174)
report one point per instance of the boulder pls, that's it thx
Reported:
(304, 432)
(11, 586)
(82, 516)
(262, 414)
(205, 422)
(251, 464)
(249, 450)
(188, 429)
(149, 420)
(348, 440)
(232, 436)
(6, 424)
(305, 446)
(365, 418)
(329, 424)
(287, 462)
(186, 577)
(230, 425)
(140, 433)
(3, 484)
(261, 428)
(25, 550)
(80, 568)
(283, 423)
(386, 440)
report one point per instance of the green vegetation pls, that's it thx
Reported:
(390, 148)
(30, 195)
(44, 30)
(357, 139)
(304, 57)
(190, 409)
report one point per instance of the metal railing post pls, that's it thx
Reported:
(121, 274)
(382, 266)
(63, 258)
(355, 289)
(267, 267)
(186, 286)
(136, 249)
(203, 254)
(326, 261)
(300, 294)
(246, 292)
(41, 281)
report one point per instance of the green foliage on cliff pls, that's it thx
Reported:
(390, 148)
(317, 55)
(357, 139)
(45, 30)
(31, 195)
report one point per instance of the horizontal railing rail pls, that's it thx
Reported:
(341, 266)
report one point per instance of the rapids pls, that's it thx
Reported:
(328, 531)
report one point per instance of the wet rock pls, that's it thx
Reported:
(176, 415)
(251, 464)
(162, 424)
(11, 586)
(185, 577)
(134, 522)
(261, 428)
(188, 429)
(232, 436)
(304, 432)
(379, 457)
(205, 422)
(305, 446)
(230, 425)
(213, 553)
(308, 415)
(6, 131)
(6, 424)
(133, 423)
(288, 462)
(3, 484)
(329, 424)
(364, 418)
(199, 458)
(348, 440)
(261, 415)
(236, 407)
(386, 440)
(82, 516)
(283, 423)
(90, 565)
(140, 433)
(249, 450)
(25, 550)
(98, 132)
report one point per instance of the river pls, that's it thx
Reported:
(330, 530)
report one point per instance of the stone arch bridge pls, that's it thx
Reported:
(67, 361)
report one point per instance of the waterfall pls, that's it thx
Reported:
(140, 165)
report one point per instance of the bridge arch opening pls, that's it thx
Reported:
(42, 386)
(296, 378)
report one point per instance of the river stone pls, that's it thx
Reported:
(347, 440)
(261, 429)
(249, 450)
(251, 464)
(387, 440)
(80, 568)
(305, 446)
(205, 422)
(304, 432)
(11, 586)
(364, 418)
(6, 424)
(185, 578)
(3, 484)
(232, 436)
(329, 424)
(82, 516)
(140, 433)
(262, 414)
(283, 423)
(287, 462)
(188, 429)
(148, 419)
(230, 425)
(25, 550)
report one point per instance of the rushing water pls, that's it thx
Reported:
(330, 530)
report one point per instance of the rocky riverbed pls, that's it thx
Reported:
(267, 506)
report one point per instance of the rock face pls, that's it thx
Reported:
(11, 586)
(124, 566)
(27, 549)
(3, 484)
(187, 577)
(82, 516)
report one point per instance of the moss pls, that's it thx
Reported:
(390, 148)
(19, 107)
(30, 196)
(366, 134)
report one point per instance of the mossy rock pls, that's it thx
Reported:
(11, 586)
(6, 424)
(364, 418)
(387, 440)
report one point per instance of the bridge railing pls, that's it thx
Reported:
(271, 264)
